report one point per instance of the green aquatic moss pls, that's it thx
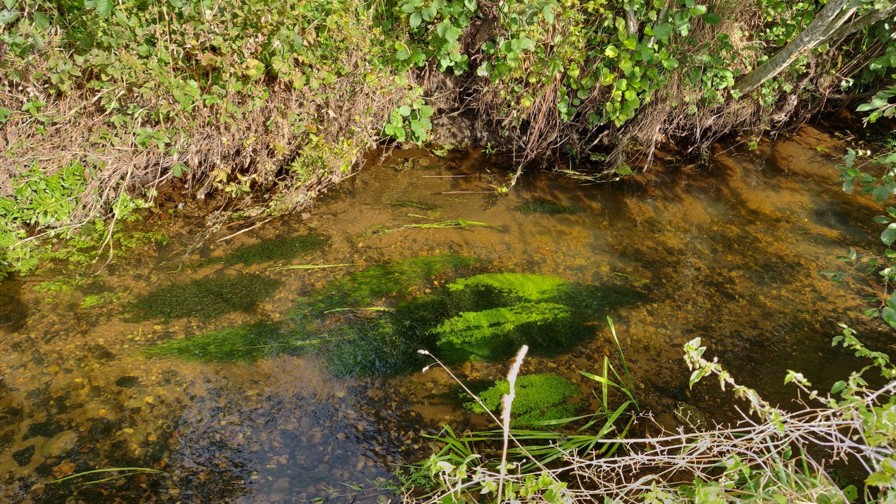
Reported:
(498, 331)
(546, 207)
(490, 316)
(539, 398)
(207, 298)
(275, 249)
(398, 278)
(521, 286)
(236, 344)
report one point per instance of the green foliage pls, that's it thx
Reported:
(274, 249)
(205, 298)
(880, 104)
(45, 205)
(434, 31)
(539, 398)
(237, 344)
(410, 121)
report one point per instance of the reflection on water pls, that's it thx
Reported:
(201, 369)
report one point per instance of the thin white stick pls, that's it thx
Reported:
(506, 404)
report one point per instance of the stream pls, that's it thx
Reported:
(259, 368)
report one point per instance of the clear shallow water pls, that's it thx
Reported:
(731, 254)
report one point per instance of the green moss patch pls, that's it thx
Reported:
(206, 298)
(490, 316)
(236, 344)
(276, 249)
(546, 207)
(539, 398)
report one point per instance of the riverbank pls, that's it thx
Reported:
(105, 104)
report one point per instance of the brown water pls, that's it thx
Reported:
(730, 252)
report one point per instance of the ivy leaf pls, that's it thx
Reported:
(415, 20)
(611, 51)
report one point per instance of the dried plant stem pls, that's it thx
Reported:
(506, 405)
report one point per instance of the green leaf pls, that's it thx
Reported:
(711, 18)
(418, 132)
(663, 31)
(889, 235)
(548, 12)
(415, 20)
(179, 169)
(889, 316)
(879, 479)
(104, 7)
(880, 194)
(611, 51)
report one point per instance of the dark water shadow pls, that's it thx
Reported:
(13, 312)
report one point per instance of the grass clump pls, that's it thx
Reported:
(236, 344)
(546, 207)
(274, 250)
(206, 298)
(539, 398)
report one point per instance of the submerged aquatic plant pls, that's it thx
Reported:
(208, 298)
(539, 398)
(394, 279)
(274, 249)
(235, 344)
(488, 316)
(448, 224)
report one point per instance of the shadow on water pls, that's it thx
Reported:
(13, 312)
(208, 298)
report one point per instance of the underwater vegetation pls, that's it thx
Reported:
(539, 398)
(372, 322)
(275, 249)
(207, 298)
(482, 317)
(244, 343)
(546, 207)
(395, 279)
